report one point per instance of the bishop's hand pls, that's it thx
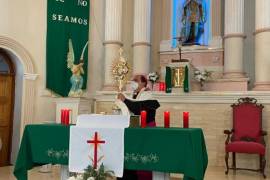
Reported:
(121, 97)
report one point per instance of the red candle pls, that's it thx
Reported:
(161, 86)
(62, 116)
(143, 119)
(185, 119)
(67, 117)
(166, 119)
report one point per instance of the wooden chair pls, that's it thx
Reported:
(247, 135)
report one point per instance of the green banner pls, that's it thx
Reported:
(186, 80)
(168, 79)
(67, 50)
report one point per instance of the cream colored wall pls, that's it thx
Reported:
(96, 48)
(25, 22)
(127, 29)
(161, 29)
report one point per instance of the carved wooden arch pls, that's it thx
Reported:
(29, 92)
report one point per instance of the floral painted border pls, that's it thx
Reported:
(62, 154)
(142, 159)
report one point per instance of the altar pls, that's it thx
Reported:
(210, 111)
(170, 150)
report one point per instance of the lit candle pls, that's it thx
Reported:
(185, 119)
(166, 119)
(161, 86)
(143, 119)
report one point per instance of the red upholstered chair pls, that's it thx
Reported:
(247, 134)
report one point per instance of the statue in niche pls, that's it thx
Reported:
(193, 20)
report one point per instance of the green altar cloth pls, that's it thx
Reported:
(172, 150)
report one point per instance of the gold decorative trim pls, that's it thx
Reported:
(261, 30)
(235, 35)
(141, 44)
(113, 42)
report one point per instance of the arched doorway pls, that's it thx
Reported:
(7, 87)
(25, 89)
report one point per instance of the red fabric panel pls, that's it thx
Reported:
(245, 147)
(144, 175)
(247, 122)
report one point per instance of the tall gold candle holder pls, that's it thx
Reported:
(120, 73)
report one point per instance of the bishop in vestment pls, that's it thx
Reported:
(141, 101)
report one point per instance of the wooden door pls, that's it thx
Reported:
(6, 108)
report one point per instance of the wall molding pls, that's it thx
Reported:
(261, 30)
(113, 42)
(29, 92)
(199, 97)
(235, 35)
(141, 44)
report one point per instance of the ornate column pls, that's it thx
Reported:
(141, 45)
(262, 45)
(113, 40)
(234, 39)
(216, 19)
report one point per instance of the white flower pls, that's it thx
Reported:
(153, 77)
(91, 178)
(197, 72)
(71, 178)
(79, 177)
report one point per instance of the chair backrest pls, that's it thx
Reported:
(247, 120)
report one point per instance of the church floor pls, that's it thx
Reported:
(213, 173)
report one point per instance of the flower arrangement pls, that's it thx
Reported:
(91, 173)
(202, 76)
(153, 77)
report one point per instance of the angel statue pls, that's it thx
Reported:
(76, 79)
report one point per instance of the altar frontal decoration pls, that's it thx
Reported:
(67, 50)
(99, 146)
